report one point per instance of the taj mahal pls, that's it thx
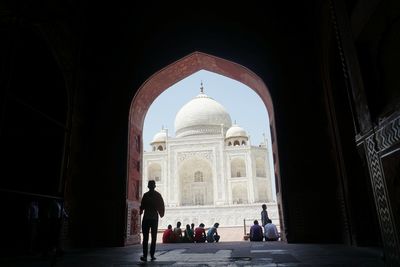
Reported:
(209, 172)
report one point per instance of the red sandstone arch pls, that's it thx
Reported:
(150, 90)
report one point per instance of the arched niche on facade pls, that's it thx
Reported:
(196, 182)
(238, 167)
(154, 172)
(260, 167)
(239, 194)
(262, 191)
(151, 89)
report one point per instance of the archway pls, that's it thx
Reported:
(154, 172)
(196, 182)
(239, 194)
(238, 167)
(153, 87)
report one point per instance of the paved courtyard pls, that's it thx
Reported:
(216, 254)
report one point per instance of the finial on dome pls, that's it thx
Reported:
(235, 122)
(201, 88)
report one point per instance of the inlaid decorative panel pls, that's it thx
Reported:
(388, 135)
(381, 198)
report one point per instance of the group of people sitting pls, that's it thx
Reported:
(269, 232)
(190, 234)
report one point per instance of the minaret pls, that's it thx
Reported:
(265, 140)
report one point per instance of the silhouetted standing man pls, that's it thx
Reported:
(153, 205)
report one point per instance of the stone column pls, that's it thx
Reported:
(250, 177)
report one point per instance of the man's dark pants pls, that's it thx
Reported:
(146, 225)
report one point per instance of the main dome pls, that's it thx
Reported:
(201, 115)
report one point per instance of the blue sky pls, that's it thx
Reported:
(242, 103)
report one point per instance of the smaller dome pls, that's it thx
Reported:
(160, 137)
(236, 131)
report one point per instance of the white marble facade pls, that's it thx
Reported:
(209, 171)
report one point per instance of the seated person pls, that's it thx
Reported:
(271, 233)
(168, 235)
(200, 234)
(188, 234)
(256, 232)
(212, 234)
(177, 233)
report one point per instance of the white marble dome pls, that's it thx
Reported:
(236, 131)
(160, 137)
(201, 115)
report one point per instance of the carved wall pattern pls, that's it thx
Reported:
(200, 129)
(389, 135)
(182, 156)
(231, 216)
(129, 211)
(134, 225)
(384, 138)
(381, 199)
(133, 221)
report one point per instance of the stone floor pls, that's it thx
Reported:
(216, 254)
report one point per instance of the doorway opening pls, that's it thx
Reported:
(185, 162)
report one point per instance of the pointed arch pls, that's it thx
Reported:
(157, 84)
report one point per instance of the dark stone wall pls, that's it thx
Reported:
(34, 111)
(121, 53)
(105, 52)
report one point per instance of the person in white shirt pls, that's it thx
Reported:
(270, 231)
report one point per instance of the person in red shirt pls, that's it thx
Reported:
(200, 234)
(167, 235)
